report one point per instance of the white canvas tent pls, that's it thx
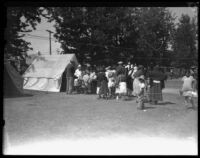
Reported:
(13, 82)
(45, 73)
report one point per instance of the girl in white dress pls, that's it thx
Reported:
(187, 90)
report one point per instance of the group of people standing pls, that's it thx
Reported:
(119, 82)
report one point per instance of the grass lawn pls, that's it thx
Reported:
(46, 116)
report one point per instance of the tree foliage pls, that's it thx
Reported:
(105, 35)
(185, 51)
(109, 34)
(20, 20)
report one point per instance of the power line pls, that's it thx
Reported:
(26, 33)
(38, 37)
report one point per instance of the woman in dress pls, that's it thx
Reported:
(103, 85)
(135, 76)
(156, 79)
(93, 81)
(130, 81)
(111, 84)
(188, 89)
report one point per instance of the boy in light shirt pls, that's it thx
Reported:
(78, 79)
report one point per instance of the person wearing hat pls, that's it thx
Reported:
(135, 68)
(107, 71)
(120, 69)
(70, 70)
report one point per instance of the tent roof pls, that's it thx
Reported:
(49, 66)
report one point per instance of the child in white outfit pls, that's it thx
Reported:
(141, 94)
(188, 89)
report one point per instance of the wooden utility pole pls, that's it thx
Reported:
(50, 32)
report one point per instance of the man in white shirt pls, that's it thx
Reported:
(78, 72)
(78, 75)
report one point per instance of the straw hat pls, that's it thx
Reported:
(107, 68)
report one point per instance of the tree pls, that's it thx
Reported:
(20, 20)
(185, 51)
(109, 34)
(97, 32)
(155, 25)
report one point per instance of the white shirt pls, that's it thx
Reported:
(109, 71)
(93, 76)
(78, 73)
(187, 83)
(141, 85)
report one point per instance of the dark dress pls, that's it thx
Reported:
(155, 91)
(129, 81)
(102, 82)
(69, 78)
(120, 70)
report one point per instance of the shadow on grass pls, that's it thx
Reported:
(150, 107)
(19, 96)
(129, 98)
(165, 103)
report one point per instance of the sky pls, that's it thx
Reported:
(42, 44)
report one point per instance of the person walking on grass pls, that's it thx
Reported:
(188, 89)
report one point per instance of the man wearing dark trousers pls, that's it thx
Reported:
(70, 70)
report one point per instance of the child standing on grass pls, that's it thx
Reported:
(188, 89)
(141, 94)
(103, 85)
